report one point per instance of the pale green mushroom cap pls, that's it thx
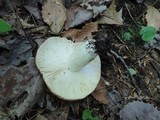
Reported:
(70, 70)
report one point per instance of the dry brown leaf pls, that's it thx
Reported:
(100, 93)
(54, 14)
(153, 17)
(81, 34)
(111, 16)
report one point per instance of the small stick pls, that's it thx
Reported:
(118, 36)
(133, 81)
(145, 54)
(156, 65)
(131, 15)
(27, 36)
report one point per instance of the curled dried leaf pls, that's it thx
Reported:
(81, 34)
(100, 93)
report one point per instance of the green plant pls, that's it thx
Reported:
(132, 71)
(4, 26)
(147, 33)
(87, 115)
(130, 34)
(127, 36)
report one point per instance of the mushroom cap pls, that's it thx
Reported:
(52, 60)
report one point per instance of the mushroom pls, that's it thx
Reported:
(70, 70)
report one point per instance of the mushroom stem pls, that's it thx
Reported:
(83, 53)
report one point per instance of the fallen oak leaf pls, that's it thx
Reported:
(54, 14)
(79, 35)
(111, 16)
(153, 17)
(100, 93)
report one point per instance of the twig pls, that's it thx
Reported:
(145, 54)
(133, 81)
(131, 15)
(118, 36)
(27, 36)
(38, 29)
(154, 3)
(156, 66)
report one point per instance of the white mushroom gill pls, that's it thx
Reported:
(83, 53)
(70, 70)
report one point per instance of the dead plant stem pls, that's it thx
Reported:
(27, 36)
(131, 14)
(133, 81)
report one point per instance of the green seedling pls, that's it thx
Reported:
(4, 26)
(87, 115)
(127, 36)
(132, 71)
(130, 34)
(147, 33)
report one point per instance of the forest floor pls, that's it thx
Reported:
(130, 72)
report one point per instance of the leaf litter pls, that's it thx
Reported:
(21, 83)
(111, 16)
(153, 17)
(77, 15)
(22, 86)
(54, 19)
(139, 110)
(34, 11)
(82, 34)
(100, 92)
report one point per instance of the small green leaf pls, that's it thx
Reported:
(87, 115)
(132, 71)
(147, 33)
(4, 26)
(127, 36)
